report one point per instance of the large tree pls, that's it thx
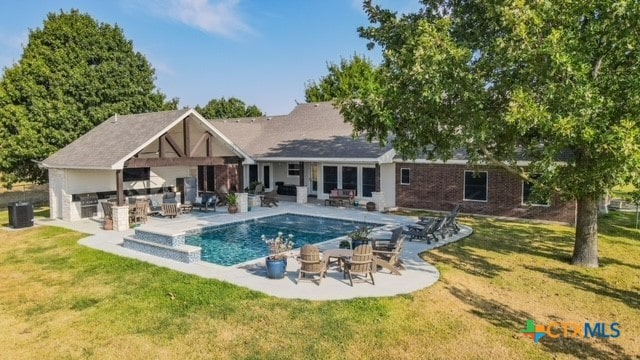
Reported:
(558, 83)
(228, 108)
(348, 79)
(74, 73)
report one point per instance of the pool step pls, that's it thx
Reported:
(172, 240)
(184, 253)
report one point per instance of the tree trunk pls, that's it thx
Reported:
(585, 249)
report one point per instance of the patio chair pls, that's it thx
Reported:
(311, 264)
(258, 190)
(451, 224)
(208, 202)
(270, 198)
(140, 211)
(388, 244)
(390, 259)
(426, 230)
(108, 215)
(360, 264)
(106, 210)
(170, 210)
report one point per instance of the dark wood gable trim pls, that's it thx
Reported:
(191, 161)
(174, 145)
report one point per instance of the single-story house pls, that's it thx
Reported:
(311, 147)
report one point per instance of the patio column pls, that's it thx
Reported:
(378, 198)
(377, 177)
(243, 202)
(301, 194)
(120, 216)
(302, 176)
(119, 187)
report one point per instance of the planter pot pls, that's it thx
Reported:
(232, 209)
(371, 206)
(276, 268)
(356, 243)
(108, 224)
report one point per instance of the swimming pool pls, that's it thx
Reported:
(235, 243)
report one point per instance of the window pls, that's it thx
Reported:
(293, 169)
(206, 178)
(368, 181)
(405, 176)
(350, 177)
(266, 176)
(253, 173)
(329, 178)
(527, 190)
(475, 185)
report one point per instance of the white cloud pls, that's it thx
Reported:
(219, 17)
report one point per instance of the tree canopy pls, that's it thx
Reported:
(506, 79)
(73, 74)
(228, 108)
(348, 79)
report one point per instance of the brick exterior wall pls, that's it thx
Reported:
(440, 186)
(229, 176)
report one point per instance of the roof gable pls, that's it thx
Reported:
(111, 143)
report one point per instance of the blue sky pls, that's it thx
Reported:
(262, 52)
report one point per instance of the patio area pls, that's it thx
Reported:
(252, 274)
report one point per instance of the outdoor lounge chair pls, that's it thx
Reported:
(311, 264)
(426, 229)
(170, 210)
(270, 198)
(360, 264)
(390, 259)
(208, 202)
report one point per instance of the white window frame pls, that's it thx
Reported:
(486, 186)
(405, 183)
(296, 169)
(522, 202)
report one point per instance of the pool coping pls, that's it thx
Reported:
(418, 274)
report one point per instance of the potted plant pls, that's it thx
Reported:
(359, 236)
(232, 203)
(276, 262)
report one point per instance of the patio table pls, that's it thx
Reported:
(338, 254)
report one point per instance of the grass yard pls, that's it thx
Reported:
(61, 300)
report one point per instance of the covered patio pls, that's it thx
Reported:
(141, 156)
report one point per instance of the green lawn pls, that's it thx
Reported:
(61, 300)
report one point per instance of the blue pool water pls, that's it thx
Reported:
(239, 242)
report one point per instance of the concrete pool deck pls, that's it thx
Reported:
(418, 274)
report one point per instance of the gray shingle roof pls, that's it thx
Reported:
(111, 141)
(315, 130)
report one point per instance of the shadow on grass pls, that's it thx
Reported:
(473, 255)
(619, 224)
(462, 258)
(590, 284)
(504, 316)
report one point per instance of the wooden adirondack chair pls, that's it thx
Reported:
(311, 264)
(360, 264)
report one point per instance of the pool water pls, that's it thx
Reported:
(239, 242)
